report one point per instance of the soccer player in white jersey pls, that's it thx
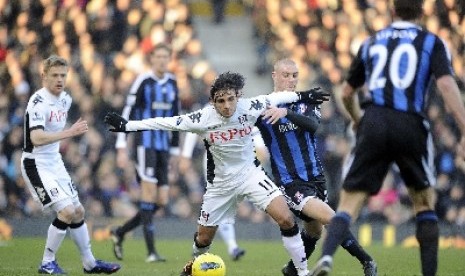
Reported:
(45, 174)
(227, 231)
(233, 171)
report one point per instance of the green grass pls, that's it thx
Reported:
(21, 256)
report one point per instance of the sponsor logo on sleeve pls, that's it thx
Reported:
(257, 105)
(195, 117)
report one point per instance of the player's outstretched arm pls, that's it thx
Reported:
(307, 123)
(189, 122)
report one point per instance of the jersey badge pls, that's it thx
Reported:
(257, 105)
(243, 118)
(195, 117)
(54, 192)
(298, 197)
(37, 99)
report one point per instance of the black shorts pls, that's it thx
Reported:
(387, 136)
(298, 191)
(152, 165)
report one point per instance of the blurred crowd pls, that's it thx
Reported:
(106, 42)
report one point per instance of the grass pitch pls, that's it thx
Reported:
(21, 256)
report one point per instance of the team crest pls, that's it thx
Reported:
(298, 197)
(205, 215)
(242, 119)
(54, 192)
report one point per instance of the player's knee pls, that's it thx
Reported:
(285, 220)
(67, 214)
(79, 213)
(290, 232)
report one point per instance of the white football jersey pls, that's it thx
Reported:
(228, 141)
(49, 112)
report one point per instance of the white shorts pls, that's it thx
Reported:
(49, 182)
(220, 207)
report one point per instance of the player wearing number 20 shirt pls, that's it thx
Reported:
(397, 64)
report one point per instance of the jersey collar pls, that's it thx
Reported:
(404, 25)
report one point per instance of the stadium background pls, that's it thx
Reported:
(105, 41)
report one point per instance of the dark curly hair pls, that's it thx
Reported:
(408, 9)
(226, 81)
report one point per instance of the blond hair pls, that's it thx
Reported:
(53, 61)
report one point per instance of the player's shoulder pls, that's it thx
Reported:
(38, 98)
(144, 76)
(253, 103)
(170, 76)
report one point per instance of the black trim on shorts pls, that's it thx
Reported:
(33, 175)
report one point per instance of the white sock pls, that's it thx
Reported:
(199, 251)
(55, 237)
(81, 238)
(228, 234)
(295, 248)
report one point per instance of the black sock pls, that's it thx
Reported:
(353, 247)
(428, 237)
(337, 231)
(147, 226)
(155, 208)
(129, 225)
(309, 243)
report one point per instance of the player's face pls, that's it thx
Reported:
(160, 59)
(285, 77)
(226, 102)
(55, 79)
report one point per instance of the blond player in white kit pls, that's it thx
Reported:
(233, 171)
(45, 174)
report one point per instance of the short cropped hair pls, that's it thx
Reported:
(408, 9)
(162, 45)
(226, 81)
(53, 61)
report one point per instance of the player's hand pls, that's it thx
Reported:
(273, 114)
(116, 121)
(313, 96)
(79, 127)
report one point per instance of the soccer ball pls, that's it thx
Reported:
(208, 264)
